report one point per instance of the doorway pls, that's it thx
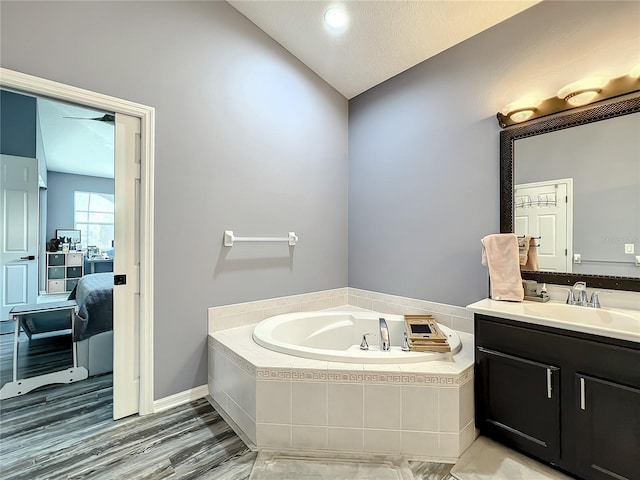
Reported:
(133, 372)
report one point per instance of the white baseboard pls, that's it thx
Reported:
(180, 398)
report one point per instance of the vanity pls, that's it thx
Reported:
(561, 383)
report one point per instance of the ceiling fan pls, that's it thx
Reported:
(107, 117)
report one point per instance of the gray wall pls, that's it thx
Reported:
(60, 197)
(247, 138)
(424, 151)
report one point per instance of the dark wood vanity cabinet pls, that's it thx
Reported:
(568, 399)
(607, 429)
(508, 380)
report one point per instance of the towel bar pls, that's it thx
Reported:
(230, 238)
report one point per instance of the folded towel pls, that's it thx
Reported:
(528, 253)
(500, 253)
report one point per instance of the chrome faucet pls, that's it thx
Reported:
(578, 296)
(579, 289)
(385, 345)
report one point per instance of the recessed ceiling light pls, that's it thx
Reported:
(336, 19)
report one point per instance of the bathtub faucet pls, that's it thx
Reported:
(385, 345)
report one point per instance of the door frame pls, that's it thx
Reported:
(30, 84)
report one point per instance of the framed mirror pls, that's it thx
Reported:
(586, 162)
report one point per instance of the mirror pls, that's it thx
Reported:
(590, 158)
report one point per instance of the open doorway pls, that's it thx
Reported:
(66, 335)
(133, 269)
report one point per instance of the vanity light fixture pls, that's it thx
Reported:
(521, 110)
(583, 91)
(576, 94)
(336, 19)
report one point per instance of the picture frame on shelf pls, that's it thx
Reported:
(68, 235)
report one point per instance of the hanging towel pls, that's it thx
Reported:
(500, 253)
(523, 248)
(528, 252)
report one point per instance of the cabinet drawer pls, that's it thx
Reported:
(74, 259)
(74, 272)
(55, 259)
(55, 286)
(71, 284)
(54, 273)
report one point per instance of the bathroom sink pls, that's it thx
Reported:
(618, 323)
(604, 317)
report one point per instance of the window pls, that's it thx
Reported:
(94, 218)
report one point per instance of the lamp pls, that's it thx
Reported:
(583, 91)
(635, 72)
(521, 110)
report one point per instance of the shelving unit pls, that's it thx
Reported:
(63, 271)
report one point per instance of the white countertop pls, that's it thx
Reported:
(618, 323)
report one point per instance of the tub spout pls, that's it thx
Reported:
(385, 345)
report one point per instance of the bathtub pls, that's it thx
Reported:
(335, 336)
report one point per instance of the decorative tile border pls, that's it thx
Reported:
(301, 374)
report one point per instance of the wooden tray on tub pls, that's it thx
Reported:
(424, 334)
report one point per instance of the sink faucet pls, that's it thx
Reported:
(579, 290)
(385, 345)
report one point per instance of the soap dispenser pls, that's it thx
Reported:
(543, 291)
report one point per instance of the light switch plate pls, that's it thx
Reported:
(629, 248)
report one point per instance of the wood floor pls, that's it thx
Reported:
(66, 432)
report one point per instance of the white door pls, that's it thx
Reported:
(126, 297)
(19, 242)
(543, 209)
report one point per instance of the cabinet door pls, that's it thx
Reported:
(608, 429)
(518, 402)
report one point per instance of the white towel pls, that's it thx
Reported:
(500, 253)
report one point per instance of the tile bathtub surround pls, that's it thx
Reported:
(457, 318)
(249, 313)
(422, 410)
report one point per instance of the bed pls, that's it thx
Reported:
(93, 325)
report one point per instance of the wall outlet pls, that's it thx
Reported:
(629, 248)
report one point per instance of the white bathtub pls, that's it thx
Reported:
(335, 336)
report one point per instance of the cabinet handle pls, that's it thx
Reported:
(548, 383)
(582, 402)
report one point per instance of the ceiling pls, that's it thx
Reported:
(83, 147)
(384, 38)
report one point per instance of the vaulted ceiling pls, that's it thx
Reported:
(383, 38)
